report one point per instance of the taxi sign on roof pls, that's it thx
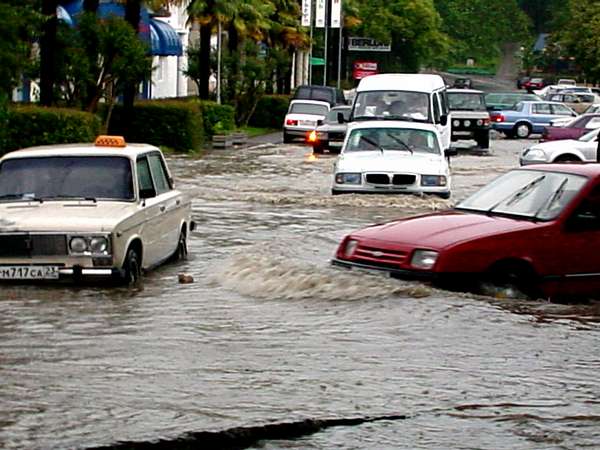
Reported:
(110, 141)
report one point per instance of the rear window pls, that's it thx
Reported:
(323, 94)
(308, 108)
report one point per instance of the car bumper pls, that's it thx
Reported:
(528, 162)
(399, 273)
(503, 126)
(300, 132)
(20, 272)
(390, 189)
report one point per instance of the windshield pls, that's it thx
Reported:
(392, 105)
(591, 136)
(397, 139)
(466, 102)
(332, 116)
(309, 108)
(527, 193)
(42, 178)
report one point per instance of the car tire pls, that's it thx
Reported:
(444, 195)
(318, 149)
(511, 281)
(522, 130)
(287, 138)
(336, 192)
(181, 252)
(483, 140)
(567, 159)
(132, 270)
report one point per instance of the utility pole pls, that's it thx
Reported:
(326, 30)
(219, 62)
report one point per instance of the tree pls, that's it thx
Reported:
(48, 52)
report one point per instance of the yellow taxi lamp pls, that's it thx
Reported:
(110, 141)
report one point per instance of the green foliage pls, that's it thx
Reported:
(34, 125)
(270, 111)
(580, 36)
(217, 118)
(169, 123)
(479, 28)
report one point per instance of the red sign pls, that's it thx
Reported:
(362, 69)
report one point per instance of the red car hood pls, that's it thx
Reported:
(439, 230)
(560, 133)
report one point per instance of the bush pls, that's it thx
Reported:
(168, 123)
(217, 118)
(270, 111)
(28, 126)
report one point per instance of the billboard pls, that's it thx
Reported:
(362, 44)
(362, 69)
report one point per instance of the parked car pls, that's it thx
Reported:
(583, 149)
(392, 157)
(302, 116)
(470, 118)
(534, 230)
(328, 94)
(330, 132)
(498, 101)
(463, 83)
(573, 130)
(85, 211)
(578, 102)
(528, 117)
(533, 84)
(521, 81)
(567, 82)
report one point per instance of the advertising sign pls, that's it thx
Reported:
(362, 69)
(306, 12)
(320, 14)
(361, 44)
(336, 13)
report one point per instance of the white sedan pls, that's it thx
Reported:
(302, 117)
(568, 150)
(392, 157)
(85, 211)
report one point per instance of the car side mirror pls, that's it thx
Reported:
(340, 117)
(444, 120)
(450, 152)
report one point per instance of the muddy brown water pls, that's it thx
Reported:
(269, 332)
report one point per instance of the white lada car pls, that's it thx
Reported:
(392, 157)
(84, 211)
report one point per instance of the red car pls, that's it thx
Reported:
(534, 83)
(573, 130)
(533, 230)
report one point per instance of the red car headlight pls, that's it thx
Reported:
(424, 259)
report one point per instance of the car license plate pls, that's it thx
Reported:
(461, 133)
(308, 123)
(28, 272)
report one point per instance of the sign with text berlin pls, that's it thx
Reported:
(362, 44)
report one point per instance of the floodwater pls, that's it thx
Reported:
(269, 333)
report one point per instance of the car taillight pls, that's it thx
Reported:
(486, 122)
(291, 122)
(497, 118)
(311, 136)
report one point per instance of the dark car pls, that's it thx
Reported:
(327, 94)
(330, 134)
(463, 83)
(534, 230)
(573, 130)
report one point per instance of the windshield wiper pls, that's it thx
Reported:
(373, 143)
(73, 197)
(555, 197)
(24, 197)
(358, 118)
(513, 198)
(401, 142)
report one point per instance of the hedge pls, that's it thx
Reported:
(169, 123)
(29, 126)
(217, 118)
(270, 111)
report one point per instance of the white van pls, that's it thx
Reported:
(411, 97)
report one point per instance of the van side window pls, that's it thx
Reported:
(436, 108)
(445, 103)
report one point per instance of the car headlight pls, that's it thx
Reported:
(467, 123)
(348, 178)
(98, 245)
(424, 259)
(433, 180)
(479, 122)
(350, 248)
(534, 154)
(78, 245)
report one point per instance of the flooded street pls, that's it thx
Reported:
(270, 332)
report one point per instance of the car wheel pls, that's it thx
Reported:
(567, 159)
(318, 149)
(511, 281)
(336, 192)
(483, 140)
(131, 268)
(287, 138)
(444, 195)
(522, 130)
(181, 252)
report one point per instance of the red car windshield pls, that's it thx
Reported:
(526, 193)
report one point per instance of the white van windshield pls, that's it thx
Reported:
(399, 105)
